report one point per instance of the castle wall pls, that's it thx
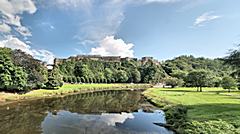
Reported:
(105, 58)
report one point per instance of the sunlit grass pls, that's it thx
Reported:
(68, 89)
(212, 104)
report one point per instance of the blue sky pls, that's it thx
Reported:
(130, 28)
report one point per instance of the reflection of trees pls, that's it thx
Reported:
(26, 117)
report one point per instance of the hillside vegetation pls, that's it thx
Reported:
(20, 71)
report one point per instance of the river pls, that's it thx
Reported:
(103, 112)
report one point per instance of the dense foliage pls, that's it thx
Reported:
(11, 76)
(127, 71)
(197, 72)
(229, 83)
(20, 71)
(234, 60)
(211, 127)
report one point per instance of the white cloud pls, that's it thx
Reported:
(205, 17)
(112, 119)
(104, 17)
(15, 43)
(113, 47)
(24, 31)
(85, 5)
(96, 30)
(5, 28)
(14, 7)
(11, 9)
(44, 55)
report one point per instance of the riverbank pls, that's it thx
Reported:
(66, 89)
(212, 111)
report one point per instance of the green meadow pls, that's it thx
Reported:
(213, 104)
(67, 89)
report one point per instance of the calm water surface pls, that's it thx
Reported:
(106, 112)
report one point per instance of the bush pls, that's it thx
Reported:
(229, 83)
(173, 82)
(40, 85)
(176, 116)
(211, 127)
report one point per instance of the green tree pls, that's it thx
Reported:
(180, 74)
(65, 79)
(54, 78)
(83, 80)
(87, 79)
(37, 72)
(229, 83)
(198, 78)
(233, 59)
(78, 80)
(70, 79)
(90, 80)
(122, 76)
(74, 79)
(136, 76)
(82, 70)
(11, 77)
(19, 78)
(151, 72)
(173, 82)
(108, 74)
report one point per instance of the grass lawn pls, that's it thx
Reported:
(211, 104)
(67, 89)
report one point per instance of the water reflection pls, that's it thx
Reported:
(92, 113)
(107, 123)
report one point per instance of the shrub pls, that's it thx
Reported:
(211, 127)
(173, 82)
(229, 83)
(176, 116)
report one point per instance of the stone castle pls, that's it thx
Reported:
(105, 58)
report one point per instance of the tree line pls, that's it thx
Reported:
(189, 71)
(20, 71)
(128, 71)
